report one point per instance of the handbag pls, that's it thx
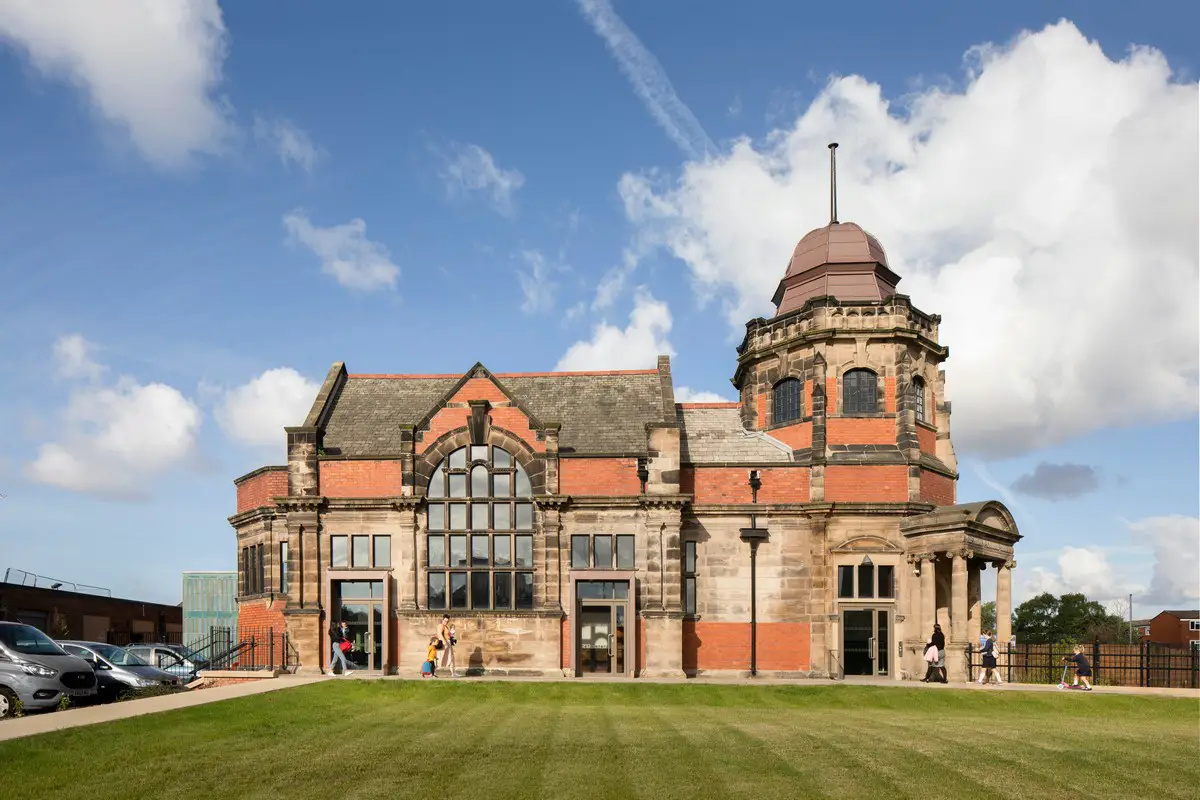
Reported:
(345, 646)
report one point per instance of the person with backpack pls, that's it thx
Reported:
(338, 645)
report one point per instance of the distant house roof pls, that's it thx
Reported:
(600, 412)
(1184, 614)
(713, 433)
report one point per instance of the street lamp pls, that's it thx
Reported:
(754, 536)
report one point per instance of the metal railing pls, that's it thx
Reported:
(1145, 664)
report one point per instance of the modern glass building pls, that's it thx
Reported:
(209, 602)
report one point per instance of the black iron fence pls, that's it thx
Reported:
(1144, 664)
(266, 648)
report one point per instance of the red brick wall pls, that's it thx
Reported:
(782, 646)
(870, 484)
(860, 430)
(889, 395)
(361, 478)
(760, 409)
(566, 643)
(797, 437)
(927, 439)
(479, 389)
(262, 619)
(452, 418)
(257, 492)
(937, 488)
(729, 484)
(598, 476)
(1168, 629)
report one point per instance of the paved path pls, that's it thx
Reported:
(60, 720)
(43, 722)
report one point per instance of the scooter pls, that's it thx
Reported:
(1062, 682)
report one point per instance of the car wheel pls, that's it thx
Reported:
(8, 702)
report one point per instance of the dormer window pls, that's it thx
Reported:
(787, 401)
(859, 392)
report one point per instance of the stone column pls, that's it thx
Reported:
(303, 613)
(404, 560)
(974, 603)
(955, 657)
(662, 613)
(546, 554)
(651, 593)
(928, 595)
(1004, 602)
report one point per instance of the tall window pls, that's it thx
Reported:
(283, 566)
(872, 581)
(787, 401)
(360, 552)
(859, 392)
(689, 579)
(253, 570)
(918, 390)
(602, 551)
(480, 531)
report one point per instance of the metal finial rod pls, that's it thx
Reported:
(833, 183)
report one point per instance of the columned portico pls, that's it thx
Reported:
(971, 537)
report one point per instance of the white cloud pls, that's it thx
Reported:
(1053, 199)
(649, 80)
(256, 412)
(1080, 569)
(74, 356)
(612, 283)
(116, 439)
(471, 170)
(149, 67)
(685, 395)
(346, 253)
(1175, 541)
(293, 145)
(637, 346)
(536, 284)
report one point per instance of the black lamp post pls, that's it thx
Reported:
(755, 536)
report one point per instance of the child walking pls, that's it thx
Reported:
(429, 668)
(1083, 668)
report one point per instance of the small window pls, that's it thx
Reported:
(602, 548)
(362, 551)
(787, 401)
(525, 552)
(625, 554)
(918, 390)
(1194, 625)
(859, 392)
(866, 578)
(845, 581)
(339, 551)
(524, 590)
(580, 545)
(437, 552)
(689, 579)
(383, 551)
(887, 576)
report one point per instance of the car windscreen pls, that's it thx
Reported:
(118, 656)
(29, 641)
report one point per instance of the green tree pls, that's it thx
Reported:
(1070, 618)
(987, 616)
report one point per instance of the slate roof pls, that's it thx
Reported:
(598, 412)
(716, 435)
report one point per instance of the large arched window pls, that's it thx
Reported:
(859, 395)
(918, 390)
(480, 531)
(787, 401)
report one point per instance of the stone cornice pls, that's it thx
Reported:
(667, 502)
(308, 503)
(252, 515)
(812, 509)
(552, 502)
(257, 472)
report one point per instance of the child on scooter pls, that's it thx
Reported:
(1083, 668)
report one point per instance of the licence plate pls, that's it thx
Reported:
(76, 692)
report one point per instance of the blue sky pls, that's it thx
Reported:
(196, 220)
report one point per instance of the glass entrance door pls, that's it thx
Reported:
(361, 606)
(866, 641)
(602, 639)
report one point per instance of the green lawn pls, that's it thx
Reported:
(402, 739)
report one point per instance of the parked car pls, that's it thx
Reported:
(37, 672)
(118, 670)
(166, 659)
(198, 660)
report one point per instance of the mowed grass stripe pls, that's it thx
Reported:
(361, 738)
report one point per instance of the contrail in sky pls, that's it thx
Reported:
(649, 80)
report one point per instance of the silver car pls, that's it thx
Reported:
(166, 659)
(117, 670)
(37, 672)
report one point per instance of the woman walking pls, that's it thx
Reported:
(448, 640)
(939, 641)
(337, 636)
(989, 661)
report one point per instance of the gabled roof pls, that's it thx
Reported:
(713, 433)
(599, 412)
(1184, 614)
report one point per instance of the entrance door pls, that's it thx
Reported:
(361, 604)
(601, 639)
(866, 641)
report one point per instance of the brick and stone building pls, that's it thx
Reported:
(586, 523)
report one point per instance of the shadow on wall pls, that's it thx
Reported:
(475, 662)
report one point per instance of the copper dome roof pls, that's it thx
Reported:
(840, 260)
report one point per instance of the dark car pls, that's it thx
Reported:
(118, 671)
(35, 673)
